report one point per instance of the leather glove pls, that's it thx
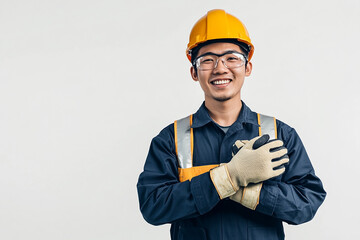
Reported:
(255, 162)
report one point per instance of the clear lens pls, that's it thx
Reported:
(230, 60)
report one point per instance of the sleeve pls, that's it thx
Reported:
(295, 196)
(162, 198)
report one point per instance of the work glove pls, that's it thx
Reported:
(248, 196)
(254, 163)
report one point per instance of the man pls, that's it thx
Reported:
(216, 174)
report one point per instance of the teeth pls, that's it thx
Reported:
(218, 82)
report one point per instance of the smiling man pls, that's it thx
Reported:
(226, 172)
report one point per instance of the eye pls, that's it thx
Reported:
(232, 58)
(206, 61)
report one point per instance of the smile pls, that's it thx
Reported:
(220, 82)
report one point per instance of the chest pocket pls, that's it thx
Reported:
(184, 144)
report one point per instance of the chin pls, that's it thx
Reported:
(222, 99)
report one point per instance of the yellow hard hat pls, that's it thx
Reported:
(217, 24)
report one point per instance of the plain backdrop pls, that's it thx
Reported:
(86, 85)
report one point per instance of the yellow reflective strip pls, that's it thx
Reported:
(259, 122)
(188, 173)
(191, 139)
(275, 127)
(175, 137)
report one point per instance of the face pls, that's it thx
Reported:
(221, 84)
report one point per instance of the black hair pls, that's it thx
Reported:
(243, 46)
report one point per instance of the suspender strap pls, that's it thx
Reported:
(267, 125)
(184, 141)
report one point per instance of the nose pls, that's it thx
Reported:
(220, 66)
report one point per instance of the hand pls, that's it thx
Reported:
(257, 160)
(248, 196)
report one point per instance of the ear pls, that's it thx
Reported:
(248, 69)
(193, 74)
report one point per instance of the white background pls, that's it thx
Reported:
(86, 85)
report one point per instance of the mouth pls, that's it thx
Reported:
(220, 82)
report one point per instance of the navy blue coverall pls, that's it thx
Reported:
(194, 208)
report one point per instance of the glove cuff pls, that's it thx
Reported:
(222, 182)
(238, 195)
(251, 196)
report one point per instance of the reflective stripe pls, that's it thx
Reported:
(267, 126)
(183, 142)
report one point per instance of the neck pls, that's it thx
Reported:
(224, 113)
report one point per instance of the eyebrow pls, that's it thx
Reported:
(218, 55)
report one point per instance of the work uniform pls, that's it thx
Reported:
(194, 208)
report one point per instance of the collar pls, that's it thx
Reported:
(202, 117)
